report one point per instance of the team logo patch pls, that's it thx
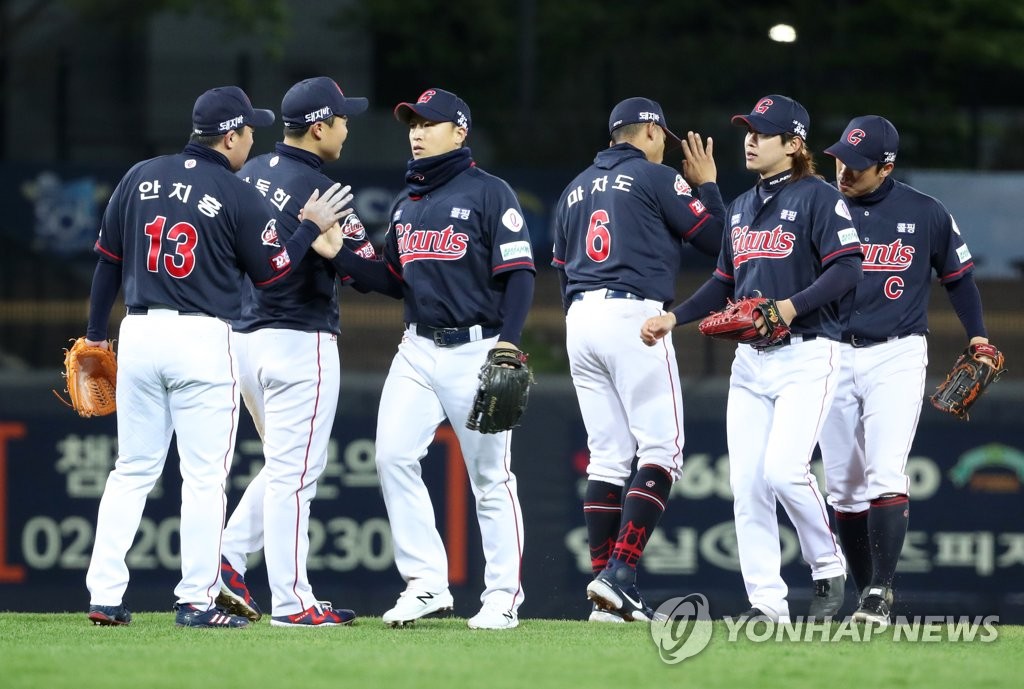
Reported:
(848, 236)
(280, 261)
(352, 228)
(269, 234)
(516, 250)
(682, 188)
(426, 96)
(763, 105)
(190, 163)
(842, 211)
(512, 220)
(697, 207)
(855, 136)
(274, 161)
(963, 253)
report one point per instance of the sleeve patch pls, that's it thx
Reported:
(842, 211)
(280, 261)
(516, 250)
(681, 187)
(847, 236)
(963, 253)
(697, 207)
(512, 219)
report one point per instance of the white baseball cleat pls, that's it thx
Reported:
(413, 604)
(493, 616)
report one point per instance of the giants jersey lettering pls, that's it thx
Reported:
(449, 247)
(905, 235)
(184, 228)
(781, 247)
(621, 225)
(307, 298)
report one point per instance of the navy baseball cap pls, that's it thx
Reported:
(866, 141)
(777, 115)
(224, 108)
(316, 99)
(436, 105)
(635, 110)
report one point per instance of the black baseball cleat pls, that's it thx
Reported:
(188, 615)
(109, 615)
(875, 606)
(755, 614)
(615, 590)
(828, 598)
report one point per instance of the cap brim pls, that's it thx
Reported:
(759, 124)
(261, 118)
(405, 111)
(354, 106)
(670, 137)
(851, 159)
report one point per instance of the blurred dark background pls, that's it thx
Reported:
(89, 87)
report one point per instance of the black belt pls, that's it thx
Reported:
(143, 310)
(448, 337)
(792, 338)
(858, 341)
(611, 294)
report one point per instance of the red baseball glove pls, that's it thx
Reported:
(736, 322)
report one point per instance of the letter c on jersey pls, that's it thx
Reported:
(894, 287)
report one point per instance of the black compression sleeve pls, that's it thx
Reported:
(368, 273)
(839, 277)
(711, 296)
(106, 282)
(516, 304)
(966, 300)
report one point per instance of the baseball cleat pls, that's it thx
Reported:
(109, 615)
(828, 597)
(755, 614)
(189, 615)
(600, 615)
(322, 614)
(493, 616)
(875, 606)
(412, 605)
(234, 594)
(615, 590)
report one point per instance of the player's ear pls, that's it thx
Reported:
(460, 134)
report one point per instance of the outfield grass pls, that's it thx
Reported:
(64, 650)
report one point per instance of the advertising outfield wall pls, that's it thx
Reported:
(964, 553)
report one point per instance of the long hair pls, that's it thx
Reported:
(803, 160)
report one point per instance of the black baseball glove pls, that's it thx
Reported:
(504, 390)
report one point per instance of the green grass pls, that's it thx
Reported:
(64, 650)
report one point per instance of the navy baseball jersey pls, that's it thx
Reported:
(448, 248)
(905, 235)
(308, 298)
(781, 245)
(184, 248)
(611, 222)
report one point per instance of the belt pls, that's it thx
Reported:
(792, 338)
(448, 337)
(858, 341)
(611, 294)
(143, 310)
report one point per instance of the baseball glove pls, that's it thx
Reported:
(736, 322)
(970, 376)
(504, 389)
(91, 376)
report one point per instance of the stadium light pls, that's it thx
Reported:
(782, 33)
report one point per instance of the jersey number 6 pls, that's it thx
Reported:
(599, 239)
(183, 260)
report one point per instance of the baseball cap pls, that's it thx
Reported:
(316, 99)
(867, 140)
(634, 110)
(224, 108)
(436, 105)
(777, 114)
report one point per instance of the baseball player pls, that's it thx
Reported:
(619, 230)
(180, 230)
(791, 238)
(458, 252)
(868, 432)
(286, 341)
